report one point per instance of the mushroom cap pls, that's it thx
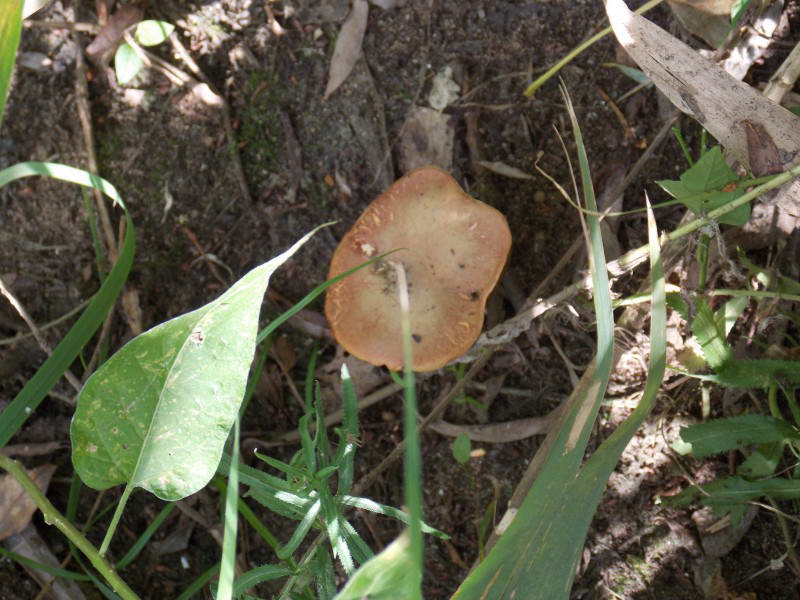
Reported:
(454, 248)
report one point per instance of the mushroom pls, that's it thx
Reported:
(453, 249)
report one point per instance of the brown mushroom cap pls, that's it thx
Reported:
(454, 249)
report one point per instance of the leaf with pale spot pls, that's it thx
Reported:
(157, 414)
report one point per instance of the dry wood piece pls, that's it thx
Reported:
(453, 249)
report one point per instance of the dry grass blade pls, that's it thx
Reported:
(348, 46)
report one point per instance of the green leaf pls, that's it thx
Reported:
(759, 373)
(710, 336)
(15, 414)
(738, 8)
(10, 27)
(127, 63)
(258, 575)
(701, 188)
(383, 575)
(729, 495)
(152, 33)
(157, 414)
(676, 302)
(636, 74)
(721, 435)
(762, 462)
(461, 448)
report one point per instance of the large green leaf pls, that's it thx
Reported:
(14, 415)
(10, 26)
(157, 414)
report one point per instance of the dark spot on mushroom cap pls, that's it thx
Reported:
(474, 295)
(461, 265)
(416, 337)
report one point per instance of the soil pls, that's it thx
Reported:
(306, 161)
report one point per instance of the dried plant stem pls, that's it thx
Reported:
(35, 331)
(784, 78)
(84, 114)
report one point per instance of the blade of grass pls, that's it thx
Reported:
(54, 571)
(198, 583)
(312, 295)
(227, 572)
(258, 575)
(10, 28)
(23, 406)
(547, 75)
(412, 459)
(512, 566)
(249, 516)
(140, 543)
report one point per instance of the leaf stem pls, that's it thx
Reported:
(115, 519)
(53, 517)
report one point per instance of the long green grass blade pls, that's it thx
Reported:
(10, 28)
(258, 575)
(198, 583)
(54, 571)
(227, 572)
(23, 406)
(513, 567)
(139, 545)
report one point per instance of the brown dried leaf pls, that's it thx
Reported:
(703, 89)
(106, 42)
(348, 46)
(16, 507)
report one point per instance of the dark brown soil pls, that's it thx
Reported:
(170, 157)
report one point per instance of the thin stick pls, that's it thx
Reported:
(84, 113)
(46, 326)
(36, 331)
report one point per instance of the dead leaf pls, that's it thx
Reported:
(104, 45)
(505, 170)
(348, 46)
(29, 543)
(132, 309)
(426, 138)
(703, 89)
(709, 7)
(761, 150)
(16, 507)
(444, 90)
